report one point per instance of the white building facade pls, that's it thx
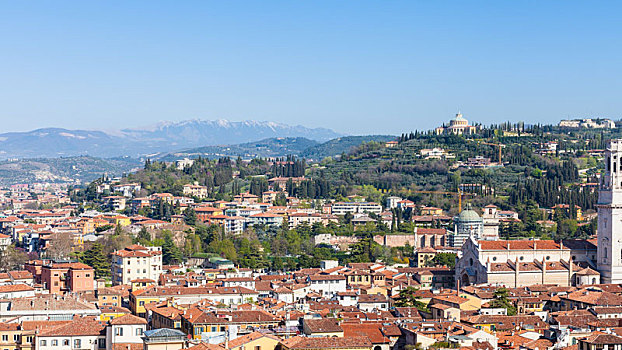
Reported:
(136, 262)
(609, 253)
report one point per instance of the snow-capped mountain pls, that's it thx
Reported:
(162, 137)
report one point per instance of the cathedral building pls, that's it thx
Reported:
(519, 263)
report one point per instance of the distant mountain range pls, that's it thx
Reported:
(160, 138)
(88, 168)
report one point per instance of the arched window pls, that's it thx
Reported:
(608, 161)
(471, 261)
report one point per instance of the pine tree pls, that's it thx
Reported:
(170, 252)
(143, 236)
(191, 217)
(95, 258)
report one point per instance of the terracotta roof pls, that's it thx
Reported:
(20, 274)
(9, 326)
(373, 331)
(327, 343)
(50, 302)
(204, 346)
(80, 326)
(42, 325)
(503, 322)
(588, 272)
(602, 338)
(454, 299)
(372, 298)
(127, 346)
(127, 320)
(326, 277)
(239, 341)
(594, 298)
(322, 325)
(607, 310)
(520, 245)
(196, 315)
(15, 288)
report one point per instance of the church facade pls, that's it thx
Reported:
(519, 263)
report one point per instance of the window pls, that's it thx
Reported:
(101, 342)
(141, 303)
(29, 339)
(77, 343)
(16, 337)
(43, 343)
(5, 337)
(54, 342)
(257, 347)
(118, 331)
(494, 258)
(65, 342)
(139, 331)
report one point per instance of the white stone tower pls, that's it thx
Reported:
(609, 258)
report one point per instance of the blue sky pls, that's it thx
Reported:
(358, 67)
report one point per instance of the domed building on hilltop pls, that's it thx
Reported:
(457, 126)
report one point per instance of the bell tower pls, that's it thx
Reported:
(609, 257)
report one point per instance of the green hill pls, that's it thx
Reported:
(341, 145)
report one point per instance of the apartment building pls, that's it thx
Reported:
(342, 208)
(59, 278)
(195, 191)
(136, 262)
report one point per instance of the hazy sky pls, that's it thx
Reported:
(354, 66)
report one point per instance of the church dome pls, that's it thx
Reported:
(469, 215)
(459, 121)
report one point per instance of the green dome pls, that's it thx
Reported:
(468, 214)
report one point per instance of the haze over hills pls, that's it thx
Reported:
(163, 137)
(278, 147)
